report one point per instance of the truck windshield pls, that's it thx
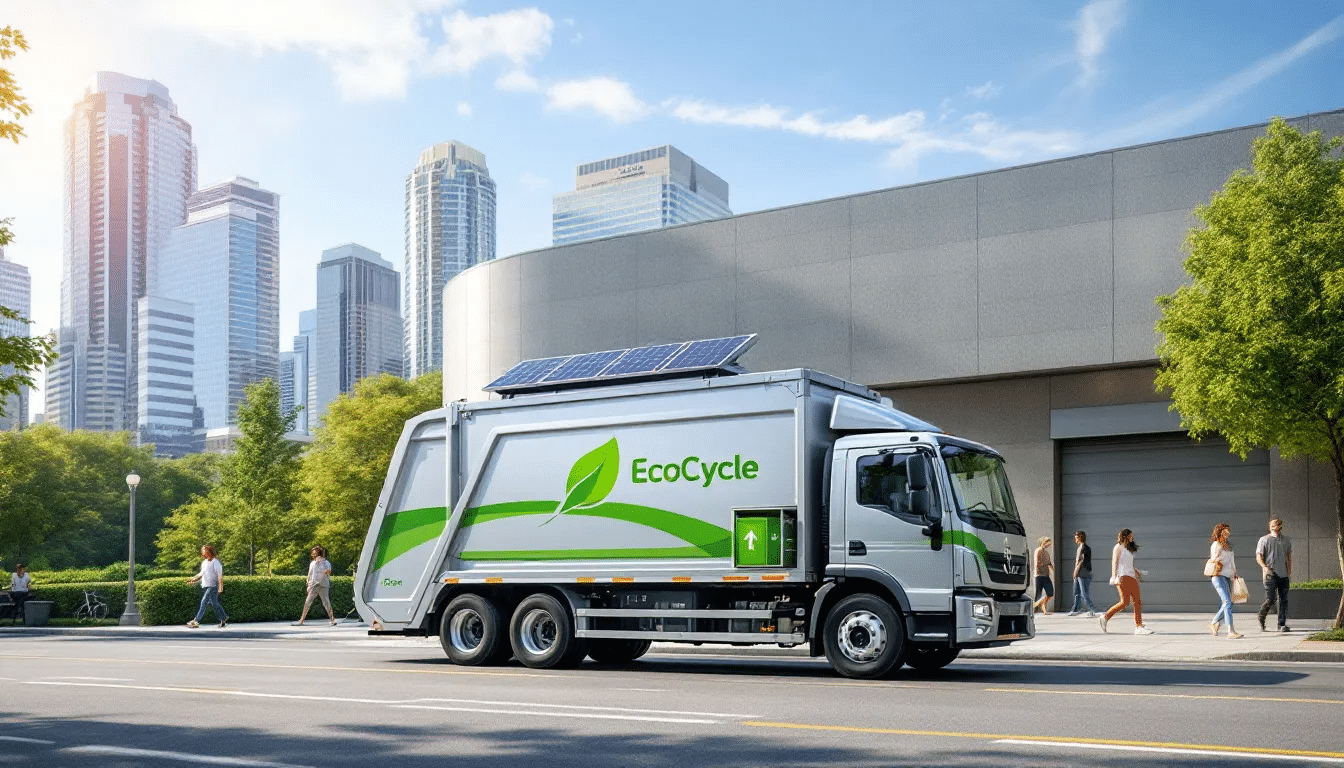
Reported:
(980, 490)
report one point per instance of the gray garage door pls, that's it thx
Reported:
(1171, 491)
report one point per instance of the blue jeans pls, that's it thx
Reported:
(210, 598)
(1082, 593)
(1223, 586)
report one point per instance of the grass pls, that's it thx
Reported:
(64, 621)
(1336, 635)
(1319, 584)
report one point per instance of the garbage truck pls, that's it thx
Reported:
(593, 517)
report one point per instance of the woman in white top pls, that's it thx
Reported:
(18, 587)
(1225, 568)
(319, 584)
(212, 586)
(1126, 579)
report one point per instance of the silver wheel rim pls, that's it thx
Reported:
(537, 631)
(862, 637)
(466, 630)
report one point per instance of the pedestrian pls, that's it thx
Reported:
(212, 586)
(1045, 569)
(1126, 579)
(19, 582)
(1274, 553)
(1082, 577)
(1224, 567)
(319, 584)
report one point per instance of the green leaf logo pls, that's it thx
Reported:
(591, 478)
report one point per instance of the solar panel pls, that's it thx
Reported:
(643, 359)
(584, 366)
(526, 372)
(709, 353)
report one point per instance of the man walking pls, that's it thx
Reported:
(1274, 553)
(1082, 576)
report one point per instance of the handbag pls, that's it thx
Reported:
(1213, 566)
(1239, 591)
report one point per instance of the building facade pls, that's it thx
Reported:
(130, 166)
(16, 291)
(450, 226)
(305, 384)
(651, 189)
(168, 417)
(1014, 307)
(358, 321)
(225, 262)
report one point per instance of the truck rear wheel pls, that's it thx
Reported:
(864, 637)
(472, 632)
(607, 651)
(931, 658)
(542, 634)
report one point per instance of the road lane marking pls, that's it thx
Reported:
(1201, 748)
(100, 679)
(586, 715)
(1286, 755)
(427, 703)
(22, 740)
(643, 690)
(185, 757)
(1211, 697)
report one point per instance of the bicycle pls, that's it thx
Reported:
(94, 607)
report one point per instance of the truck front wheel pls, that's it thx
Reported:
(864, 637)
(542, 634)
(472, 632)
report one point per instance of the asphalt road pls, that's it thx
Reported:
(72, 701)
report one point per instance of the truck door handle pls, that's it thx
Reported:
(857, 548)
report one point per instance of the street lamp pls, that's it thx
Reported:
(131, 616)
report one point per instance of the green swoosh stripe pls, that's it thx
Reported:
(404, 531)
(969, 541)
(706, 539)
(585, 554)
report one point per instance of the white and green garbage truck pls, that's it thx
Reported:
(593, 515)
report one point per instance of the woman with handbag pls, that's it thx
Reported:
(1125, 577)
(1222, 569)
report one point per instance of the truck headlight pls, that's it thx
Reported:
(982, 610)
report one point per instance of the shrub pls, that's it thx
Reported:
(68, 597)
(245, 598)
(1319, 584)
(113, 572)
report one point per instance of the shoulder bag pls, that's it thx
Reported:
(1213, 566)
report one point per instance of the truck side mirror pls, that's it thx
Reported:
(917, 469)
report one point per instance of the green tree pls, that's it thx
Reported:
(26, 354)
(1253, 348)
(344, 471)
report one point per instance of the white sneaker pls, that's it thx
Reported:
(1102, 622)
(1092, 614)
(1142, 631)
(1073, 613)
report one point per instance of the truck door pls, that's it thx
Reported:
(883, 530)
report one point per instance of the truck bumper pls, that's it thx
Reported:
(983, 621)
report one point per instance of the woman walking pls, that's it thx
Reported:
(212, 586)
(1224, 566)
(1045, 568)
(1126, 579)
(319, 584)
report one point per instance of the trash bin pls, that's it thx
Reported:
(36, 612)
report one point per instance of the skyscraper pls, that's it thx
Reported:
(225, 262)
(305, 384)
(450, 225)
(16, 289)
(655, 188)
(129, 168)
(168, 414)
(358, 321)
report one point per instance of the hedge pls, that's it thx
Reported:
(174, 601)
(1318, 584)
(113, 572)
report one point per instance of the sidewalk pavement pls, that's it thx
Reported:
(1180, 637)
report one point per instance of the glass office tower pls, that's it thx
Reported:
(655, 188)
(129, 168)
(450, 225)
(358, 321)
(225, 262)
(168, 415)
(16, 290)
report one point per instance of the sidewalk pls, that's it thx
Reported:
(1178, 637)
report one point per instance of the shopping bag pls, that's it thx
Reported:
(1239, 593)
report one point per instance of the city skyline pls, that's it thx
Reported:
(880, 98)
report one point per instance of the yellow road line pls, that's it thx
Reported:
(1049, 739)
(1336, 702)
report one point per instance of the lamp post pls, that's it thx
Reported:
(131, 616)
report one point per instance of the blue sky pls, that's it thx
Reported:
(329, 102)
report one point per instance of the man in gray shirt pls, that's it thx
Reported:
(1274, 553)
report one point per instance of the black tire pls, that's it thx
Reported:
(865, 637)
(542, 634)
(926, 658)
(99, 611)
(608, 651)
(472, 632)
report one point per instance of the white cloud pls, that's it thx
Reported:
(464, 108)
(604, 95)
(373, 47)
(517, 80)
(1097, 21)
(987, 91)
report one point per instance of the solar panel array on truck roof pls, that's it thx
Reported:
(652, 362)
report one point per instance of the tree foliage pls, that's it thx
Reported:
(343, 474)
(1253, 348)
(11, 96)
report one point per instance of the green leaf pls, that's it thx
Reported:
(591, 478)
